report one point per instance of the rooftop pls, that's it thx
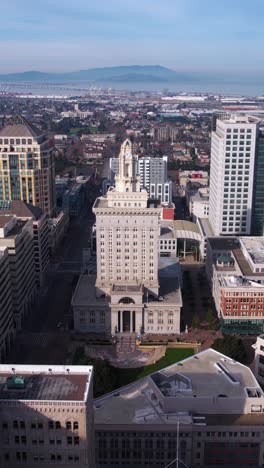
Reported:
(207, 375)
(206, 227)
(234, 281)
(20, 127)
(254, 247)
(57, 383)
(223, 243)
(12, 234)
(4, 220)
(85, 291)
(20, 208)
(129, 288)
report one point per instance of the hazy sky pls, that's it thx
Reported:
(198, 35)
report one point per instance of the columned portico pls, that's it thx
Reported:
(126, 322)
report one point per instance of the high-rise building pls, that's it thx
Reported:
(131, 294)
(153, 176)
(17, 235)
(46, 416)
(7, 329)
(27, 170)
(39, 219)
(232, 175)
(127, 223)
(258, 188)
(166, 133)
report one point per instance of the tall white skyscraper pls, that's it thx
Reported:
(233, 150)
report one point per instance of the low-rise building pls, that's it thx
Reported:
(46, 416)
(207, 410)
(186, 177)
(235, 268)
(199, 204)
(7, 325)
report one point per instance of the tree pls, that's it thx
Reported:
(196, 322)
(210, 319)
(232, 346)
(104, 375)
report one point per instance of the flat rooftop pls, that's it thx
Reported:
(207, 374)
(233, 244)
(255, 248)
(20, 223)
(224, 376)
(53, 383)
(206, 227)
(223, 243)
(122, 288)
(234, 281)
(5, 219)
(85, 291)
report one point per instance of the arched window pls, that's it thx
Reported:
(68, 425)
(126, 300)
(75, 425)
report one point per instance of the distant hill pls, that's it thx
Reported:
(132, 73)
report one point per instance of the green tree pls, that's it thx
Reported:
(196, 323)
(104, 375)
(232, 346)
(210, 319)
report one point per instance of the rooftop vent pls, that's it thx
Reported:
(15, 382)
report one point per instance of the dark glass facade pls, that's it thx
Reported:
(258, 189)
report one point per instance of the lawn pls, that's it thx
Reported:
(75, 130)
(126, 376)
(108, 378)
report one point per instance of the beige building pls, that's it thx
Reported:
(259, 359)
(17, 235)
(27, 170)
(132, 294)
(25, 211)
(7, 328)
(46, 416)
(208, 409)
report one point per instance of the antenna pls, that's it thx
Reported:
(177, 460)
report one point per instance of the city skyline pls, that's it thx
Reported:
(184, 36)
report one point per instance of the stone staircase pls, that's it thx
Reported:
(126, 343)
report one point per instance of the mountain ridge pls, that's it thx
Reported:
(119, 73)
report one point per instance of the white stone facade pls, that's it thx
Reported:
(127, 285)
(232, 175)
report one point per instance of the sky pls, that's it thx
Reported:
(185, 35)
